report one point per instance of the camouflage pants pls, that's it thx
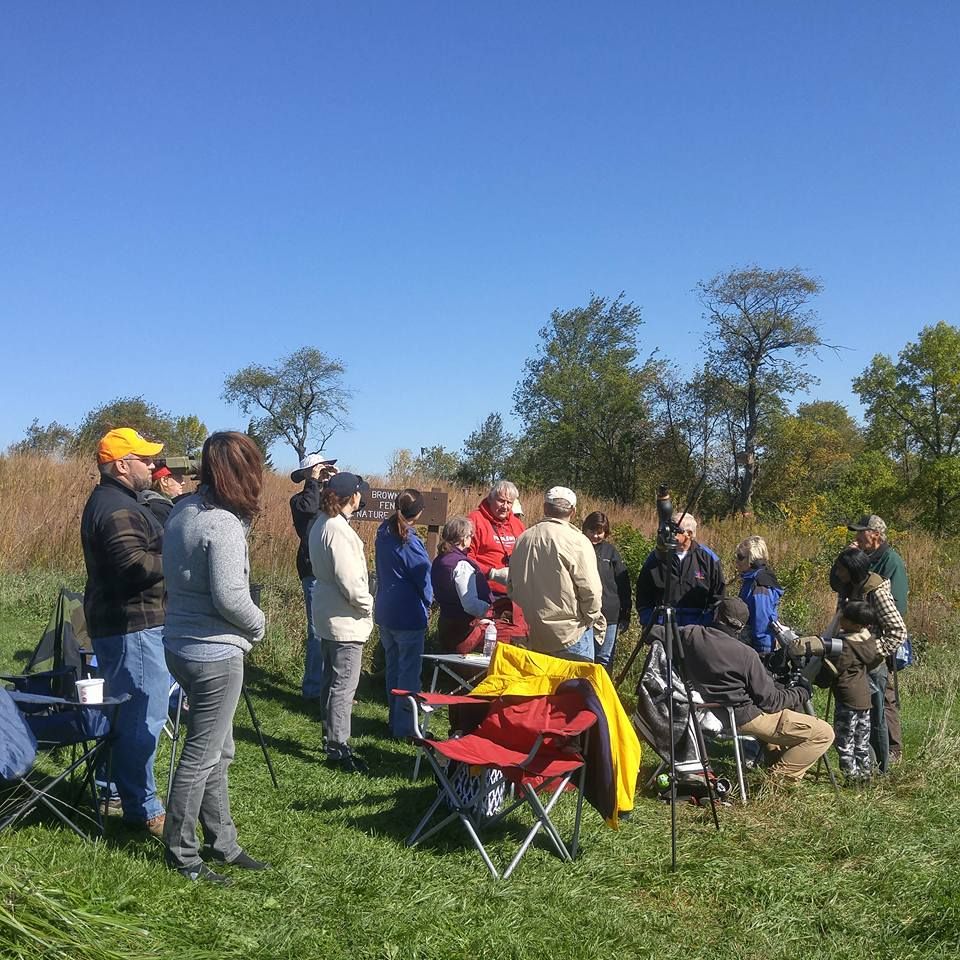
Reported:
(852, 740)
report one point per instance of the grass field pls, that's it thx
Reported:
(866, 875)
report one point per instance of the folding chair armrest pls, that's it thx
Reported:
(39, 700)
(439, 699)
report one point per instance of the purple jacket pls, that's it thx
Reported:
(445, 590)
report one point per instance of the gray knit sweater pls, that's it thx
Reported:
(206, 569)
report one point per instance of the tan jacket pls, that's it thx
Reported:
(342, 603)
(555, 579)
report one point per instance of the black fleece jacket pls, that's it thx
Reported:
(725, 670)
(304, 507)
(122, 544)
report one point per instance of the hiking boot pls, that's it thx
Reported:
(201, 871)
(242, 860)
(154, 826)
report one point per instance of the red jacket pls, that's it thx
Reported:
(493, 541)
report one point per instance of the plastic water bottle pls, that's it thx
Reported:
(489, 638)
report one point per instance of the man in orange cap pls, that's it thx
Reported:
(123, 604)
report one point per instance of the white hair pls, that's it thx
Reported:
(687, 523)
(505, 489)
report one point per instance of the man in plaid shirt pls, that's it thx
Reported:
(852, 578)
(123, 605)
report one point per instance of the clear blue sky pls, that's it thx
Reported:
(412, 187)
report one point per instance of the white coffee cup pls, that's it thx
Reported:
(90, 690)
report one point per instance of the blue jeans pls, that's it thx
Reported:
(312, 685)
(134, 663)
(603, 653)
(581, 650)
(879, 738)
(403, 649)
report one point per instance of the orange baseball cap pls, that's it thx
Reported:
(123, 441)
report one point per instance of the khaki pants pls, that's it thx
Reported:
(803, 740)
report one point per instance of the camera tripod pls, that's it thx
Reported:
(665, 615)
(177, 723)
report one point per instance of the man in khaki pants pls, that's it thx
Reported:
(727, 671)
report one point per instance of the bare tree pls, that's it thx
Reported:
(301, 399)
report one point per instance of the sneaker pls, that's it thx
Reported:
(201, 871)
(242, 860)
(111, 806)
(348, 763)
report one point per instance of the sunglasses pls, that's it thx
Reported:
(740, 556)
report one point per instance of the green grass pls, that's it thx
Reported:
(866, 875)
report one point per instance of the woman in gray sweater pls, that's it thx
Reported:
(211, 622)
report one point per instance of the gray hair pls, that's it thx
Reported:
(455, 531)
(688, 524)
(505, 489)
(752, 549)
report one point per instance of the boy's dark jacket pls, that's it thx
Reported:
(850, 684)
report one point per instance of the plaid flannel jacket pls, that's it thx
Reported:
(122, 543)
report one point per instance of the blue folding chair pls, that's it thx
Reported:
(49, 726)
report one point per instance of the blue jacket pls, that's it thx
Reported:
(404, 591)
(761, 593)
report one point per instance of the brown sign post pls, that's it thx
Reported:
(380, 506)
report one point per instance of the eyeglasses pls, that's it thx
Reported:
(133, 456)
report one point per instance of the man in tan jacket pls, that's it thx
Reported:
(555, 580)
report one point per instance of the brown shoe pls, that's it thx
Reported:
(154, 826)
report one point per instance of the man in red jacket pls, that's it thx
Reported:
(496, 529)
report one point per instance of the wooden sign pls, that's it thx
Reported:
(379, 507)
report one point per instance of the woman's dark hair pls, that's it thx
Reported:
(856, 563)
(597, 521)
(231, 470)
(331, 504)
(408, 506)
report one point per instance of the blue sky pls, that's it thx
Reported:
(187, 188)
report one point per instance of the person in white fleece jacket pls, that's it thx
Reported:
(342, 611)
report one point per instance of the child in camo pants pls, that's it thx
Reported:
(847, 675)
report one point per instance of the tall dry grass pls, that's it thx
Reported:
(41, 501)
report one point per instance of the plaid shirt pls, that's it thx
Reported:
(122, 544)
(893, 631)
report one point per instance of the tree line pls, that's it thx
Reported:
(614, 418)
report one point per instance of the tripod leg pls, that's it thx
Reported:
(695, 722)
(644, 634)
(174, 740)
(808, 709)
(256, 726)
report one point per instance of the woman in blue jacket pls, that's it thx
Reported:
(760, 591)
(402, 603)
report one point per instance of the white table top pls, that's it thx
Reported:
(461, 659)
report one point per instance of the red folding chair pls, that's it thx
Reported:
(531, 744)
